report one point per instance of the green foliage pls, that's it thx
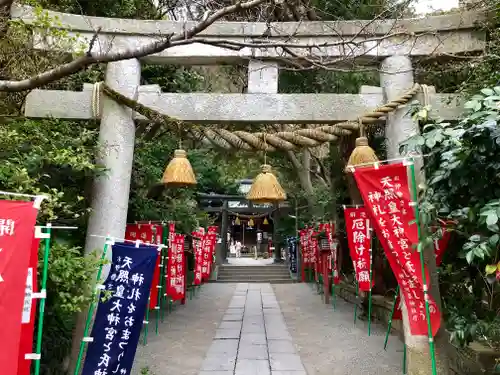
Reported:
(462, 168)
(151, 158)
(51, 157)
(55, 158)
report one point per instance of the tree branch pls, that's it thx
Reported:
(107, 57)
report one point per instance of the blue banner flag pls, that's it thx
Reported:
(292, 253)
(121, 310)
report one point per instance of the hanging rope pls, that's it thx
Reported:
(284, 140)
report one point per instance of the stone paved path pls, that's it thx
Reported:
(185, 335)
(329, 343)
(259, 329)
(252, 338)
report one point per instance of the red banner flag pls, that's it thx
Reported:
(207, 247)
(149, 233)
(332, 259)
(17, 225)
(198, 256)
(155, 232)
(213, 230)
(29, 311)
(386, 194)
(176, 269)
(439, 249)
(358, 237)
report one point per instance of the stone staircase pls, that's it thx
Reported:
(273, 273)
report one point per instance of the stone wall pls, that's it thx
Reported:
(477, 359)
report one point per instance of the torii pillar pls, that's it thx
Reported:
(396, 77)
(110, 194)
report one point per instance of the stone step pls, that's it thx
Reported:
(255, 272)
(260, 277)
(257, 276)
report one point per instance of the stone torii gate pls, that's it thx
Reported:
(371, 42)
(262, 104)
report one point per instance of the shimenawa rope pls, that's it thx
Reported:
(282, 140)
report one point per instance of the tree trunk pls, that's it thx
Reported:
(304, 175)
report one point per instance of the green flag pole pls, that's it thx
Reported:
(390, 318)
(159, 291)
(333, 286)
(404, 359)
(43, 293)
(95, 299)
(164, 259)
(371, 278)
(146, 322)
(356, 304)
(422, 265)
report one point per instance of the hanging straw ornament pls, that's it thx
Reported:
(250, 222)
(179, 172)
(362, 154)
(237, 221)
(265, 187)
(265, 222)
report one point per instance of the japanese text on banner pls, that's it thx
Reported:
(358, 237)
(148, 233)
(307, 247)
(386, 194)
(332, 259)
(28, 315)
(176, 277)
(440, 246)
(119, 317)
(198, 256)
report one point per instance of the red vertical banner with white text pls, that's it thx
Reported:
(358, 237)
(17, 228)
(386, 194)
(329, 230)
(29, 311)
(208, 246)
(213, 231)
(150, 233)
(155, 231)
(176, 268)
(198, 256)
(440, 246)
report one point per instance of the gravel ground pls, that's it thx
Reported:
(186, 334)
(328, 342)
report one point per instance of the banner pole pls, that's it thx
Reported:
(333, 286)
(95, 298)
(41, 310)
(146, 323)
(404, 359)
(390, 318)
(422, 265)
(370, 291)
(356, 304)
(158, 292)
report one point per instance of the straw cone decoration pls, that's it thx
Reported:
(265, 221)
(362, 154)
(266, 188)
(179, 171)
(250, 222)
